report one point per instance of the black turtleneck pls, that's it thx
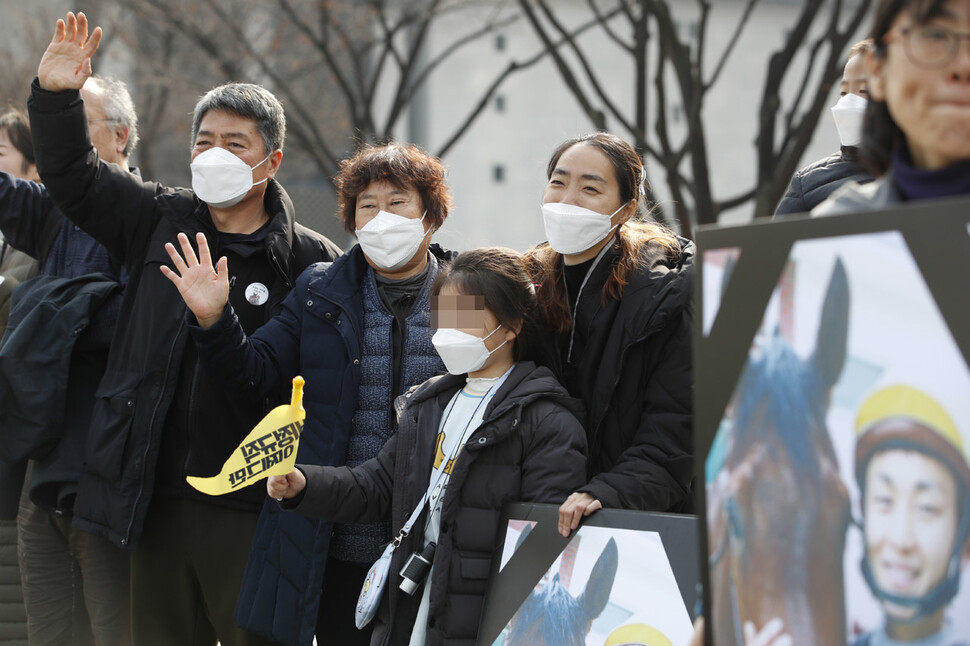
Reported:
(587, 308)
(574, 276)
(920, 184)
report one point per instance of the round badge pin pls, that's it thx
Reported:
(257, 294)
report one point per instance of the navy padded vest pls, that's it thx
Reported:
(374, 423)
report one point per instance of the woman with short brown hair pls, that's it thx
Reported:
(359, 331)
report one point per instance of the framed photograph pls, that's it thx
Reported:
(623, 577)
(832, 401)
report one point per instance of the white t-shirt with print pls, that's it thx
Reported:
(462, 417)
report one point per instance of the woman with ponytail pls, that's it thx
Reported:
(615, 291)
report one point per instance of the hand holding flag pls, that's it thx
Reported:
(269, 449)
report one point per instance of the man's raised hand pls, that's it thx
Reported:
(66, 64)
(205, 289)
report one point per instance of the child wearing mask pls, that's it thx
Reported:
(497, 428)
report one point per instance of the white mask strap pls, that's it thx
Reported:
(257, 166)
(491, 333)
(262, 162)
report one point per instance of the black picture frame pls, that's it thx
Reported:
(937, 235)
(509, 586)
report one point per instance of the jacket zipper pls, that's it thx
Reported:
(339, 309)
(396, 385)
(151, 426)
(189, 419)
(278, 266)
(449, 493)
(168, 368)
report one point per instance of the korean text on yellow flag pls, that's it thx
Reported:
(268, 450)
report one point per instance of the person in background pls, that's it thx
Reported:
(916, 137)
(359, 331)
(497, 428)
(158, 415)
(615, 291)
(75, 583)
(813, 184)
(17, 160)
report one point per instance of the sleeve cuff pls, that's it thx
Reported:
(47, 101)
(289, 504)
(225, 322)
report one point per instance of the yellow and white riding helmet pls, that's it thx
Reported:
(637, 634)
(906, 417)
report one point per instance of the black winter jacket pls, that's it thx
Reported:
(36, 350)
(634, 375)
(31, 222)
(810, 186)
(133, 220)
(530, 447)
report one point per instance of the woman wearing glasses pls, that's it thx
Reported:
(916, 136)
(916, 139)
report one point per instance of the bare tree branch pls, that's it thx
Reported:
(804, 85)
(513, 67)
(170, 13)
(325, 158)
(604, 20)
(732, 42)
(404, 87)
(349, 91)
(771, 185)
(704, 8)
(591, 75)
(456, 45)
(390, 32)
(737, 200)
(594, 115)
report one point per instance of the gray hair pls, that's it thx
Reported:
(251, 102)
(118, 107)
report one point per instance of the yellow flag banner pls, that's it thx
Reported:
(268, 450)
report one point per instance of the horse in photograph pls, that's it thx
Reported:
(778, 511)
(550, 615)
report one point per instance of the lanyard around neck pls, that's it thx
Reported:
(438, 473)
(579, 295)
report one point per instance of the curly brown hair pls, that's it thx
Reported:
(403, 166)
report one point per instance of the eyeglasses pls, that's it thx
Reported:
(929, 46)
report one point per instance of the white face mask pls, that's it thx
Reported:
(220, 179)
(574, 229)
(390, 241)
(462, 352)
(848, 114)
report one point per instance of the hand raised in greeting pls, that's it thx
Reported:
(204, 288)
(66, 64)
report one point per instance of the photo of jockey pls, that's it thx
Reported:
(912, 471)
